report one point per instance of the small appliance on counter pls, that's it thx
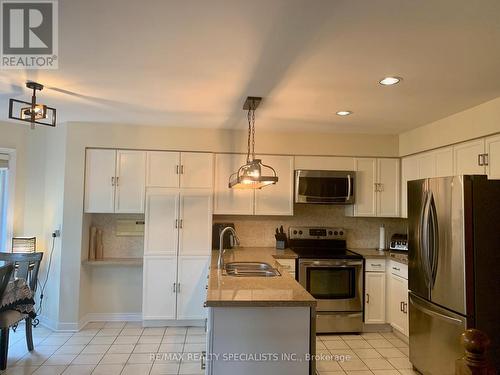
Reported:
(281, 239)
(228, 241)
(399, 242)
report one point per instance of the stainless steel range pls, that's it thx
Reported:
(331, 274)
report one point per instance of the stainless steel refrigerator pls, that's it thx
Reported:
(454, 268)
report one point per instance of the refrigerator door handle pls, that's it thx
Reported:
(419, 306)
(424, 240)
(434, 240)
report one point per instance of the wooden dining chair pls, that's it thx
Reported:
(24, 266)
(5, 274)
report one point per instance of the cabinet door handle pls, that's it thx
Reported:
(176, 223)
(180, 223)
(486, 159)
(182, 169)
(203, 356)
(177, 169)
(401, 308)
(376, 186)
(480, 159)
(380, 187)
(112, 181)
(178, 287)
(174, 289)
(376, 265)
(117, 180)
(396, 268)
(367, 298)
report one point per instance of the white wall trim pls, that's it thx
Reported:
(109, 317)
(11, 191)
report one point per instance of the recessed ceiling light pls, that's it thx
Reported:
(389, 81)
(344, 113)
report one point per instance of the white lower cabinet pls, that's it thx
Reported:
(174, 287)
(375, 291)
(398, 297)
(192, 277)
(159, 285)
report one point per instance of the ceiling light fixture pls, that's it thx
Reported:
(389, 81)
(250, 175)
(344, 113)
(32, 112)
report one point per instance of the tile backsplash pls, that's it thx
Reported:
(115, 246)
(257, 231)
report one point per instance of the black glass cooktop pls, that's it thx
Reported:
(325, 253)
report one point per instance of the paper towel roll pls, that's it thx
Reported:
(381, 241)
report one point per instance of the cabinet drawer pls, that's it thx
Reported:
(398, 269)
(375, 265)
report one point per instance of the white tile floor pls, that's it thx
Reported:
(365, 354)
(108, 348)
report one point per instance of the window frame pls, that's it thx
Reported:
(11, 197)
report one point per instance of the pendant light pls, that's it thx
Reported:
(32, 112)
(253, 174)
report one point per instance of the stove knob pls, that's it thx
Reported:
(341, 233)
(294, 232)
(300, 232)
(336, 233)
(330, 232)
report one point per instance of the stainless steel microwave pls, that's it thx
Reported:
(324, 187)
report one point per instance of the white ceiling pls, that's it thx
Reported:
(192, 63)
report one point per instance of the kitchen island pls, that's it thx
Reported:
(259, 325)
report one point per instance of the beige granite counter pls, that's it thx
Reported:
(234, 291)
(374, 253)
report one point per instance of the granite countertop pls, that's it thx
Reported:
(375, 253)
(227, 291)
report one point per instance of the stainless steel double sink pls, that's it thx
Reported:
(250, 269)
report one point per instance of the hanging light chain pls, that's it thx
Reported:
(249, 117)
(253, 132)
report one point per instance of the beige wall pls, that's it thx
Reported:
(478, 121)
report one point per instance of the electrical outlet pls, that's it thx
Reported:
(56, 233)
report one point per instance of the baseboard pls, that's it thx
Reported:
(173, 323)
(109, 317)
(114, 317)
(377, 328)
(47, 322)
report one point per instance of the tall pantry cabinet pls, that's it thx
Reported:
(177, 239)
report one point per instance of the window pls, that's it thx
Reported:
(4, 184)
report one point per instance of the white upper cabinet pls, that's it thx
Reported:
(388, 199)
(100, 177)
(436, 163)
(444, 162)
(409, 172)
(197, 170)
(493, 157)
(195, 222)
(163, 169)
(191, 292)
(159, 288)
(130, 181)
(161, 221)
(365, 186)
(276, 199)
(115, 181)
(328, 163)
(468, 157)
(230, 201)
(377, 188)
(180, 169)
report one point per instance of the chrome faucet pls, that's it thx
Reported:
(220, 261)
